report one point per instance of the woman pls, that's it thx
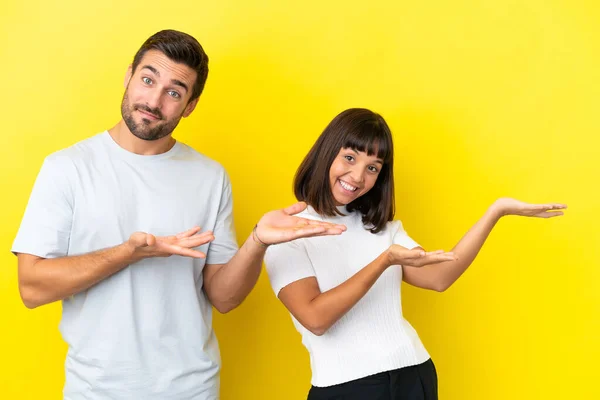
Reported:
(344, 292)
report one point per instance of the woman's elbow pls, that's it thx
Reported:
(440, 289)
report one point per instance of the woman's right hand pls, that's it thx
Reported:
(398, 255)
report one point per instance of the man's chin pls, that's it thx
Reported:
(148, 138)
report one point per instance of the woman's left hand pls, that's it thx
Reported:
(508, 206)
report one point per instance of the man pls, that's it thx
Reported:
(112, 228)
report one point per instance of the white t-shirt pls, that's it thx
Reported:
(146, 331)
(373, 336)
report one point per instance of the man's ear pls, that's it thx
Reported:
(190, 107)
(128, 75)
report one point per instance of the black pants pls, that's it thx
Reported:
(418, 382)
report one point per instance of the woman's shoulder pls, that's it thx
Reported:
(392, 226)
(311, 213)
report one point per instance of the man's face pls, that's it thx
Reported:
(157, 96)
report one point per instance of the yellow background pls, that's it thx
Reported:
(485, 98)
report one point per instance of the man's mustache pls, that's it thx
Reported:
(154, 111)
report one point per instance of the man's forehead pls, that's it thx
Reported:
(163, 65)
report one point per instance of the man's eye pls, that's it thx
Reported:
(174, 94)
(146, 80)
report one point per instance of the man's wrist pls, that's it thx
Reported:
(130, 252)
(256, 239)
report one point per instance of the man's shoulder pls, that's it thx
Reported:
(79, 151)
(199, 159)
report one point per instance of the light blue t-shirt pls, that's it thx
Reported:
(146, 331)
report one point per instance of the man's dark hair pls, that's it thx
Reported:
(181, 48)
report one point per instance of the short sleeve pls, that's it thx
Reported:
(287, 263)
(402, 238)
(224, 247)
(46, 225)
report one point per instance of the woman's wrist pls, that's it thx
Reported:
(497, 211)
(387, 258)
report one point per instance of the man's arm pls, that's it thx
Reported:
(227, 285)
(45, 280)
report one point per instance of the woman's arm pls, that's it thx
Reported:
(318, 311)
(441, 276)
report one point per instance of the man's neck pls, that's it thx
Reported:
(121, 134)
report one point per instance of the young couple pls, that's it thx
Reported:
(100, 233)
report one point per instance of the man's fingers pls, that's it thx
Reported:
(150, 239)
(191, 253)
(196, 240)
(188, 233)
(184, 242)
(182, 251)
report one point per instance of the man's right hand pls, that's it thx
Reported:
(145, 245)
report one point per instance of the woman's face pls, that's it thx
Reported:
(352, 174)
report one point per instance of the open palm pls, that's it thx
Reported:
(283, 225)
(183, 244)
(508, 206)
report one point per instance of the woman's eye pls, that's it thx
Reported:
(349, 158)
(373, 169)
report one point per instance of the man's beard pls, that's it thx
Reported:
(143, 130)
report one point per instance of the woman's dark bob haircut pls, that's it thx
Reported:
(361, 130)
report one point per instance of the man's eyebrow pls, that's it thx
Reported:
(179, 83)
(176, 82)
(151, 68)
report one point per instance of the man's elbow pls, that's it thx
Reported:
(316, 326)
(224, 307)
(317, 331)
(30, 297)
